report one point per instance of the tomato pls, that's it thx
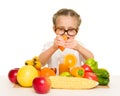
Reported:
(91, 75)
(87, 68)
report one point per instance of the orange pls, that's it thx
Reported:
(77, 71)
(46, 72)
(70, 60)
(54, 69)
(38, 72)
(61, 47)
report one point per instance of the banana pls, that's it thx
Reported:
(29, 62)
(34, 62)
(37, 65)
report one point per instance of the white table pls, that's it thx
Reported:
(7, 89)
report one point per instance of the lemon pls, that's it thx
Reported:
(26, 74)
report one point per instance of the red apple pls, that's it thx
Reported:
(12, 75)
(41, 85)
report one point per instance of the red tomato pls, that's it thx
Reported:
(91, 75)
(87, 68)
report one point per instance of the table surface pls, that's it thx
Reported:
(7, 89)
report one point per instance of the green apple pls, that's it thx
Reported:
(67, 74)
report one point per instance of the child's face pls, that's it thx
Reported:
(66, 25)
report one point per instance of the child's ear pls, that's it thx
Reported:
(54, 28)
(77, 30)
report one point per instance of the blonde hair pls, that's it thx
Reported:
(67, 12)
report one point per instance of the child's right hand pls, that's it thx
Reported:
(59, 42)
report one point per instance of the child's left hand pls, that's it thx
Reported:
(71, 43)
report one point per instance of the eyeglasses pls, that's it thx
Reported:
(62, 31)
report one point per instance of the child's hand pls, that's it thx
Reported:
(71, 43)
(59, 41)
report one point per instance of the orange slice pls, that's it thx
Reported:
(70, 60)
(61, 47)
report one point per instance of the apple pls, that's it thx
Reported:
(41, 85)
(12, 75)
(67, 74)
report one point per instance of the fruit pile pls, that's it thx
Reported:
(32, 74)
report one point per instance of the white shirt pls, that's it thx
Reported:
(54, 61)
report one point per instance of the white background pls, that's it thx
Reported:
(25, 25)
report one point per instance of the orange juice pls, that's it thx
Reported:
(63, 68)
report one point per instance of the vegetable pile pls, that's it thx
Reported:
(89, 70)
(102, 74)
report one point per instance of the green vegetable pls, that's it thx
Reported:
(103, 76)
(92, 63)
(103, 81)
(81, 72)
(101, 72)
